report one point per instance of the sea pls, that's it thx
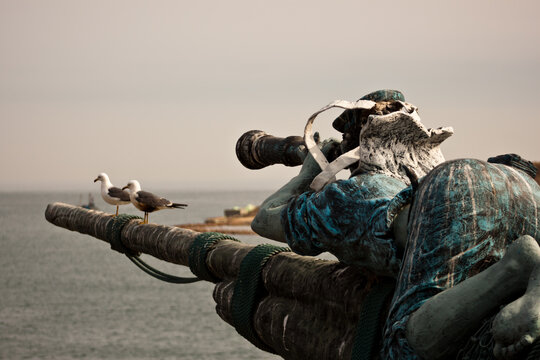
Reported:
(65, 295)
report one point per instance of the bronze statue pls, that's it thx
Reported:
(458, 236)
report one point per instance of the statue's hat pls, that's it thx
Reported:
(376, 96)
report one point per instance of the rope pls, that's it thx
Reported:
(161, 275)
(249, 288)
(199, 250)
(114, 234)
(369, 330)
(480, 345)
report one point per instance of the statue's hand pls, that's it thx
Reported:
(517, 325)
(310, 168)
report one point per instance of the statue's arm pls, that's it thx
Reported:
(457, 311)
(267, 222)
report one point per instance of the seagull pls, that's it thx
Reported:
(111, 194)
(148, 202)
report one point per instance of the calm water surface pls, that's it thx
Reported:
(65, 295)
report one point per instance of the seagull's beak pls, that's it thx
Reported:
(125, 187)
(96, 179)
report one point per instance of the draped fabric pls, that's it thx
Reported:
(349, 219)
(464, 215)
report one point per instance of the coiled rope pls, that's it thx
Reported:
(368, 331)
(114, 235)
(480, 345)
(199, 250)
(248, 291)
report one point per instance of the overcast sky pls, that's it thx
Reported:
(160, 91)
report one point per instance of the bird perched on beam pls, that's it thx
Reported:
(148, 202)
(111, 194)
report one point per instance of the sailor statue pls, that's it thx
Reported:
(459, 237)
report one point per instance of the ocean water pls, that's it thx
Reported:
(64, 295)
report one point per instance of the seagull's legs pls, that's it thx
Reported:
(117, 206)
(145, 221)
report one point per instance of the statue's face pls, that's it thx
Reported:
(349, 141)
(351, 129)
(358, 118)
(389, 141)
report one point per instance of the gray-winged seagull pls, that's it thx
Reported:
(111, 194)
(148, 202)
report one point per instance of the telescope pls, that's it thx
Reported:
(256, 149)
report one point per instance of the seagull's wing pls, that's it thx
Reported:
(151, 200)
(118, 193)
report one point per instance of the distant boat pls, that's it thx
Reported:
(91, 204)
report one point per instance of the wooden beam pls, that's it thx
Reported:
(312, 306)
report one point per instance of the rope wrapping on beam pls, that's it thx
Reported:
(199, 250)
(249, 289)
(114, 234)
(369, 330)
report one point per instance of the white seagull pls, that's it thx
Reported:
(111, 194)
(148, 202)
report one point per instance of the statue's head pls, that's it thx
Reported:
(381, 133)
(390, 141)
(350, 121)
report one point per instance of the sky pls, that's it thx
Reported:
(160, 91)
